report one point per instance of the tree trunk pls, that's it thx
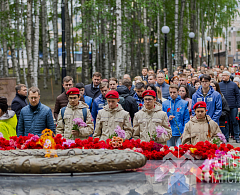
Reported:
(85, 54)
(119, 39)
(68, 37)
(212, 34)
(146, 58)
(176, 35)
(17, 25)
(34, 74)
(55, 40)
(180, 45)
(44, 44)
(198, 36)
(73, 72)
(226, 47)
(106, 61)
(159, 41)
(29, 36)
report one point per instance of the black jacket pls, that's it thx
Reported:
(191, 91)
(92, 91)
(18, 103)
(146, 78)
(130, 105)
(225, 112)
(231, 92)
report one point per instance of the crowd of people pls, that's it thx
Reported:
(191, 105)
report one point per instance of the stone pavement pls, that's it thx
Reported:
(233, 142)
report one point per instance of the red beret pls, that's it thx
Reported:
(112, 95)
(149, 93)
(73, 91)
(200, 104)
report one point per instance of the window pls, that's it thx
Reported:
(229, 45)
(238, 45)
(238, 33)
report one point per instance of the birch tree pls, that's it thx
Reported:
(44, 43)
(55, 41)
(119, 39)
(146, 59)
(176, 35)
(34, 75)
(29, 36)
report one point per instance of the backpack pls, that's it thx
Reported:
(122, 101)
(84, 110)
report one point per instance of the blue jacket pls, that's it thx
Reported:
(98, 104)
(179, 109)
(231, 93)
(165, 89)
(138, 100)
(88, 100)
(35, 122)
(213, 101)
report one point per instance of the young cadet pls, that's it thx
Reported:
(149, 117)
(111, 116)
(201, 127)
(74, 109)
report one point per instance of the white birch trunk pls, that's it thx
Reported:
(198, 36)
(176, 35)
(55, 40)
(119, 39)
(226, 47)
(1, 56)
(94, 42)
(146, 58)
(159, 41)
(23, 63)
(29, 35)
(34, 75)
(188, 27)
(106, 61)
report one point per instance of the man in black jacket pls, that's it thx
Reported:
(183, 81)
(130, 104)
(20, 99)
(92, 90)
(231, 93)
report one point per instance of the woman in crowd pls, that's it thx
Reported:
(8, 120)
(225, 109)
(197, 84)
(175, 80)
(184, 93)
(201, 127)
(237, 81)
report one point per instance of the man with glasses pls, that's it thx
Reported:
(35, 117)
(178, 114)
(148, 118)
(231, 93)
(62, 100)
(75, 109)
(211, 97)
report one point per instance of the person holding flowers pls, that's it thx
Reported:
(139, 88)
(112, 116)
(151, 123)
(178, 114)
(75, 120)
(201, 127)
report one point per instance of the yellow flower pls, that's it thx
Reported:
(192, 150)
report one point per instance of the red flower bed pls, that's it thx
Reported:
(153, 151)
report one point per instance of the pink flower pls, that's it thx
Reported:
(120, 132)
(79, 122)
(160, 130)
(1, 135)
(140, 150)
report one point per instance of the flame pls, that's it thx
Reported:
(46, 140)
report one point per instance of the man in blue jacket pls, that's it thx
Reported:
(211, 97)
(88, 100)
(100, 101)
(178, 114)
(35, 117)
(139, 88)
(231, 93)
(162, 85)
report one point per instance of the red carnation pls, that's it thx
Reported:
(140, 105)
(225, 122)
(169, 109)
(178, 109)
(237, 118)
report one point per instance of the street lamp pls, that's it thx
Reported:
(63, 43)
(157, 65)
(165, 31)
(208, 40)
(218, 42)
(192, 35)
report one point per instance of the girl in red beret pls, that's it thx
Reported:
(201, 127)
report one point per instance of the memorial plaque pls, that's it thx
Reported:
(7, 88)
